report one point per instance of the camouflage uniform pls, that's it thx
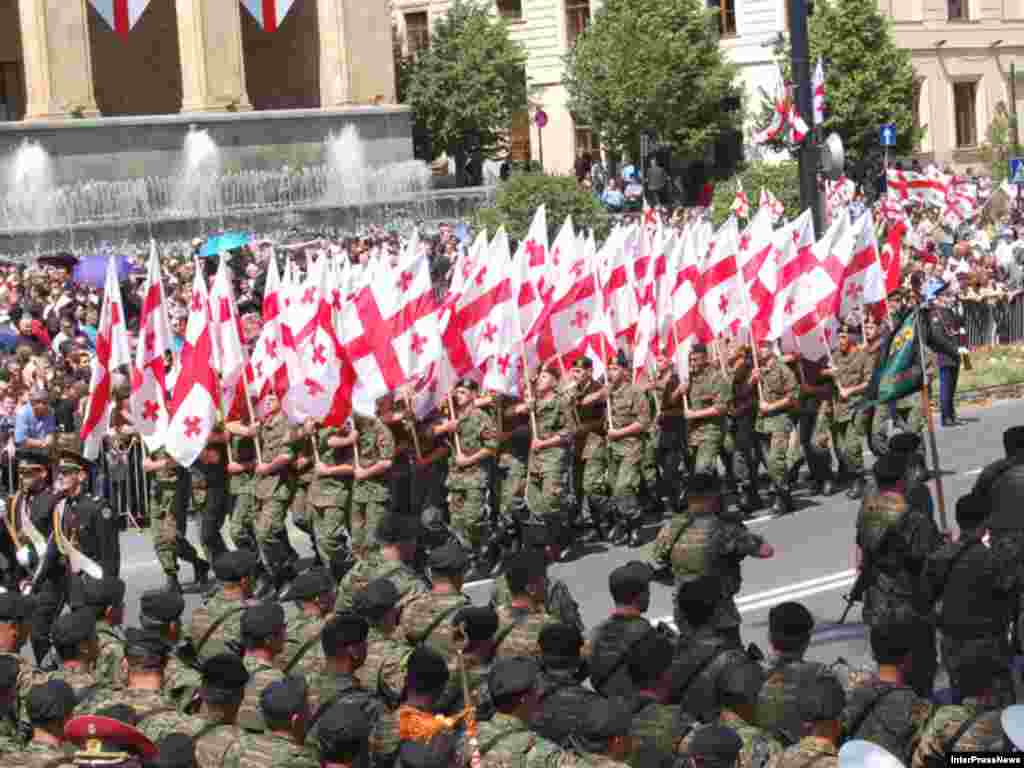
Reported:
(26, 672)
(969, 727)
(163, 523)
(629, 405)
(777, 383)
(111, 654)
(331, 500)
(274, 495)
(813, 426)
(329, 688)
(563, 706)
(889, 715)
(778, 702)
(302, 505)
(592, 452)
(759, 747)
(242, 486)
(467, 486)
(303, 652)
(609, 648)
(519, 632)
(145, 703)
(250, 716)
(513, 457)
(658, 727)
(811, 752)
(700, 660)
(228, 630)
(553, 415)
(745, 417)
(668, 442)
(213, 741)
(705, 437)
(872, 420)
(85, 684)
(408, 582)
(370, 498)
(852, 369)
(37, 755)
(506, 741)
(257, 750)
(383, 672)
(427, 619)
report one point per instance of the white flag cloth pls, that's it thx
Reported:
(819, 93)
(226, 328)
(149, 375)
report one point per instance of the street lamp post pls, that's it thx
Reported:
(808, 156)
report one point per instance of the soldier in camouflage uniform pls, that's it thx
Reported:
(214, 728)
(709, 543)
(669, 434)
(476, 628)
(263, 639)
(48, 707)
(745, 417)
(15, 611)
(383, 672)
(714, 746)
(554, 425)
(161, 612)
(787, 673)
(629, 420)
(303, 466)
(312, 592)
(10, 739)
(513, 438)
(371, 490)
(106, 598)
(778, 394)
(872, 420)
(275, 488)
(469, 475)
(523, 618)
(75, 641)
(344, 734)
(821, 705)
(971, 726)
(896, 536)
(887, 711)
(736, 689)
(708, 402)
(212, 468)
(162, 472)
(851, 371)
(426, 619)
(331, 497)
(145, 654)
(589, 402)
(217, 624)
(393, 561)
(610, 641)
(284, 706)
(242, 484)
(563, 699)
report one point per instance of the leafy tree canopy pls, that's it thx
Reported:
(518, 198)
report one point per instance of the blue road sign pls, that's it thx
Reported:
(887, 135)
(1017, 170)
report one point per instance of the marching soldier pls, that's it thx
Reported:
(872, 419)
(331, 497)
(313, 591)
(379, 605)
(371, 492)
(303, 513)
(513, 438)
(591, 444)
(745, 414)
(211, 469)
(851, 371)
(24, 546)
(168, 542)
(815, 390)
(242, 484)
(708, 398)
(779, 392)
(669, 435)
(216, 626)
(275, 489)
(630, 418)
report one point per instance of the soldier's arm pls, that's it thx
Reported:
(740, 542)
(932, 740)
(488, 444)
(386, 447)
(150, 464)
(920, 716)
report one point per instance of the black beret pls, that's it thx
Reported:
(716, 743)
(235, 564)
(892, 639)
(105, 592)
(511, 677)
(438, 753)
(75, 627)
(122, 712)
(9, 666)
(890, 468)
(427, 670)
(607, 718)
(525, 565)
(344, 629)
(971, 511)
(741, 681)
(560, 641)
(630, 578)
(50, 702)
(467, 383)
(225, 671)
(31, 457)
(283, 698)
(375, 599)
(310, 585)
(449, 558)
(703, 484)
(478, 622)
(164, 607)
(701, 348)
(144, 642)
(790, 619)
(262, 620)
(621, 359)
(344, 723)
(14, 606)
(700, 591)
(904, 442)
(395, 529)
(1013, 440)
(649, 655)
(176, 750)
(822, 699)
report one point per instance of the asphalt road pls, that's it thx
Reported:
(813, 560)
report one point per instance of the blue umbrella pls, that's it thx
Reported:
(92, 270)
(225, 241)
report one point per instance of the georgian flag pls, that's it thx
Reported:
(121, 15)
(268, 13)
(819, 93)
(148, 401)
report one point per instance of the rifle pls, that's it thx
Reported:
(860, 586)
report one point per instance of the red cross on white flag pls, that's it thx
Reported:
(226, 328)
(121, 15)
(722, 298)
(269, 13)
(111, 353)
(819, 93)
(194, 407)
(861, 280)
(147, 401)
(270, 374)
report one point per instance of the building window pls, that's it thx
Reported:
(512, 10)
(957, 10)
(417, 32)
(726, 10)
(577, 17)
(11, 97)
(964, 105)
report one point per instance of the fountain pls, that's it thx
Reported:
(28, 190)
(198, 189)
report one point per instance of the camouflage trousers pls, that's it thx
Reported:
(812, 430)
(544, 495)
(704, 447)
(511, 485)
(625, 480)
(778, 453)
(668, 456)
(848, 439)
(330, 526)
(302, 510)
(164, 528)
(955, 649)
(241, 527)
(468, 514)
(363, 521)
(909, 413)
(271, 526)
(872, 426)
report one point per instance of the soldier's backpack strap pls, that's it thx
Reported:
(388, 696)
(216, 625)
(488, 745)
(871, 706)
(952, 564)
(303, 650)
(504, 632)
(965, 726)
(702, 666)
(112, 635)
(422, 637)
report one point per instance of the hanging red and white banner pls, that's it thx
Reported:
(121, 15)
(268, 13)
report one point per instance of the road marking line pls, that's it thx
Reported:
(974, 472)
(773, 601)
(810, 583)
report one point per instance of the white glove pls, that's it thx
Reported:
(962, 351)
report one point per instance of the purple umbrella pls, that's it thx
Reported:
(92, 270)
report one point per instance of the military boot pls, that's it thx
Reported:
(783, 502)
(856, 489)
(173, 585)
(599, 521)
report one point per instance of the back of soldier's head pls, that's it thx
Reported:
(977, 673)
(789, 626)
(698, 599)
(971, 512)
(892, 641)
(650, 658)
(527, 567)
(738, 685)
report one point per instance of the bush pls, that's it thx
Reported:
(518, 198)
(782, 179)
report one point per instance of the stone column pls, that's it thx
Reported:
(357, 64)
(58, 63)
(212, 59)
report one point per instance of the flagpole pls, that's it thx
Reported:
(926, 404)
(145, 480)
(412, 418)
(135, 477)
(675, 338)
(252, 415)
(455, 434)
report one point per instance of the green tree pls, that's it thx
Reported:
(465, 87)
(998, 147)
(869, 81)
(519, 197)
(653, 65)
(781, 179)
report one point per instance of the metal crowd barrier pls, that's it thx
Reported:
(990, 323)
